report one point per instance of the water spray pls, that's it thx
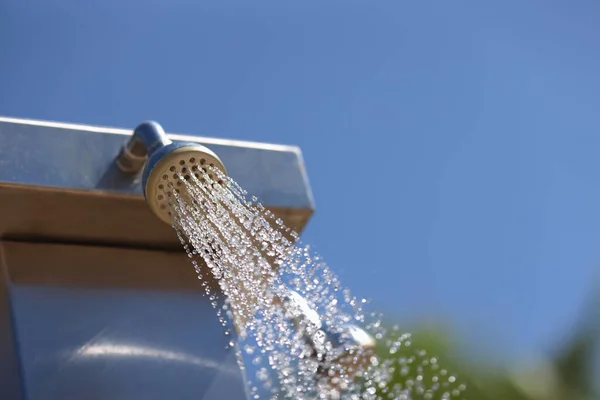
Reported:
(163, 164)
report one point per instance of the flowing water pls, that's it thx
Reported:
(286, 312)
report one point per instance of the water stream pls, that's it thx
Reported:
(286, 312)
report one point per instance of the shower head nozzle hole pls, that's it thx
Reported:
(172, 169)
(165, 177)
(178, 184)
(160, 197)
(175, 176)
(182, 162)
(192, 160)
(162, 206)
(161, 186)
(187, 177)
(184, 170)
(202, 161)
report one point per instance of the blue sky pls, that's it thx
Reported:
(453, 148)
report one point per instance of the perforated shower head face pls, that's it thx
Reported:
(163, 170)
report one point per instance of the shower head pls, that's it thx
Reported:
(164, 162)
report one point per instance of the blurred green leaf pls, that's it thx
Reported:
(567, 377)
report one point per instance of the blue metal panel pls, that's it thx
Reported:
(10, 377)
(114, 344)
(68, 157)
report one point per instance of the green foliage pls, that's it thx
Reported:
(423, 366)
(567, 377)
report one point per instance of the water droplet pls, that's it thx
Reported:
(262, 374)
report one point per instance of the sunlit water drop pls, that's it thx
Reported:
(295, 322)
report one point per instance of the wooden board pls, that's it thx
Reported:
(42, 214)
(98, 267)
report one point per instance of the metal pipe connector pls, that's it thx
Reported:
(147, 138)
